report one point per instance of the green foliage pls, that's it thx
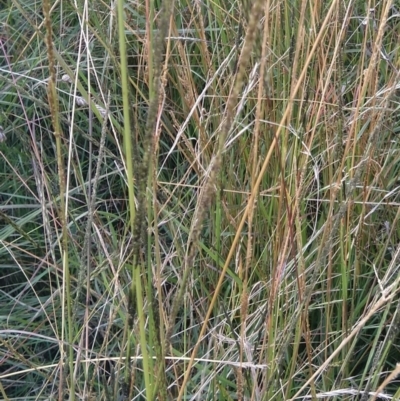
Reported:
(203, 206)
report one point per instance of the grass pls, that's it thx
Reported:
(199, 201)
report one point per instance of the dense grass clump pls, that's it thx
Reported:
(199, 200)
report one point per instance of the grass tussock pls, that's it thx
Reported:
(199, 200)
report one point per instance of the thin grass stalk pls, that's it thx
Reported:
(156, 322)
(85, 262)
(53, 105)
(145, 181)
(138, 229)
(137, 221)
(85, 259)
(392, 376)
(127, 140)
(156, 307)
(126, 111)
(3, 393)
(254, 167)
(136, 279)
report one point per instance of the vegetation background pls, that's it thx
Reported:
(199, 200)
